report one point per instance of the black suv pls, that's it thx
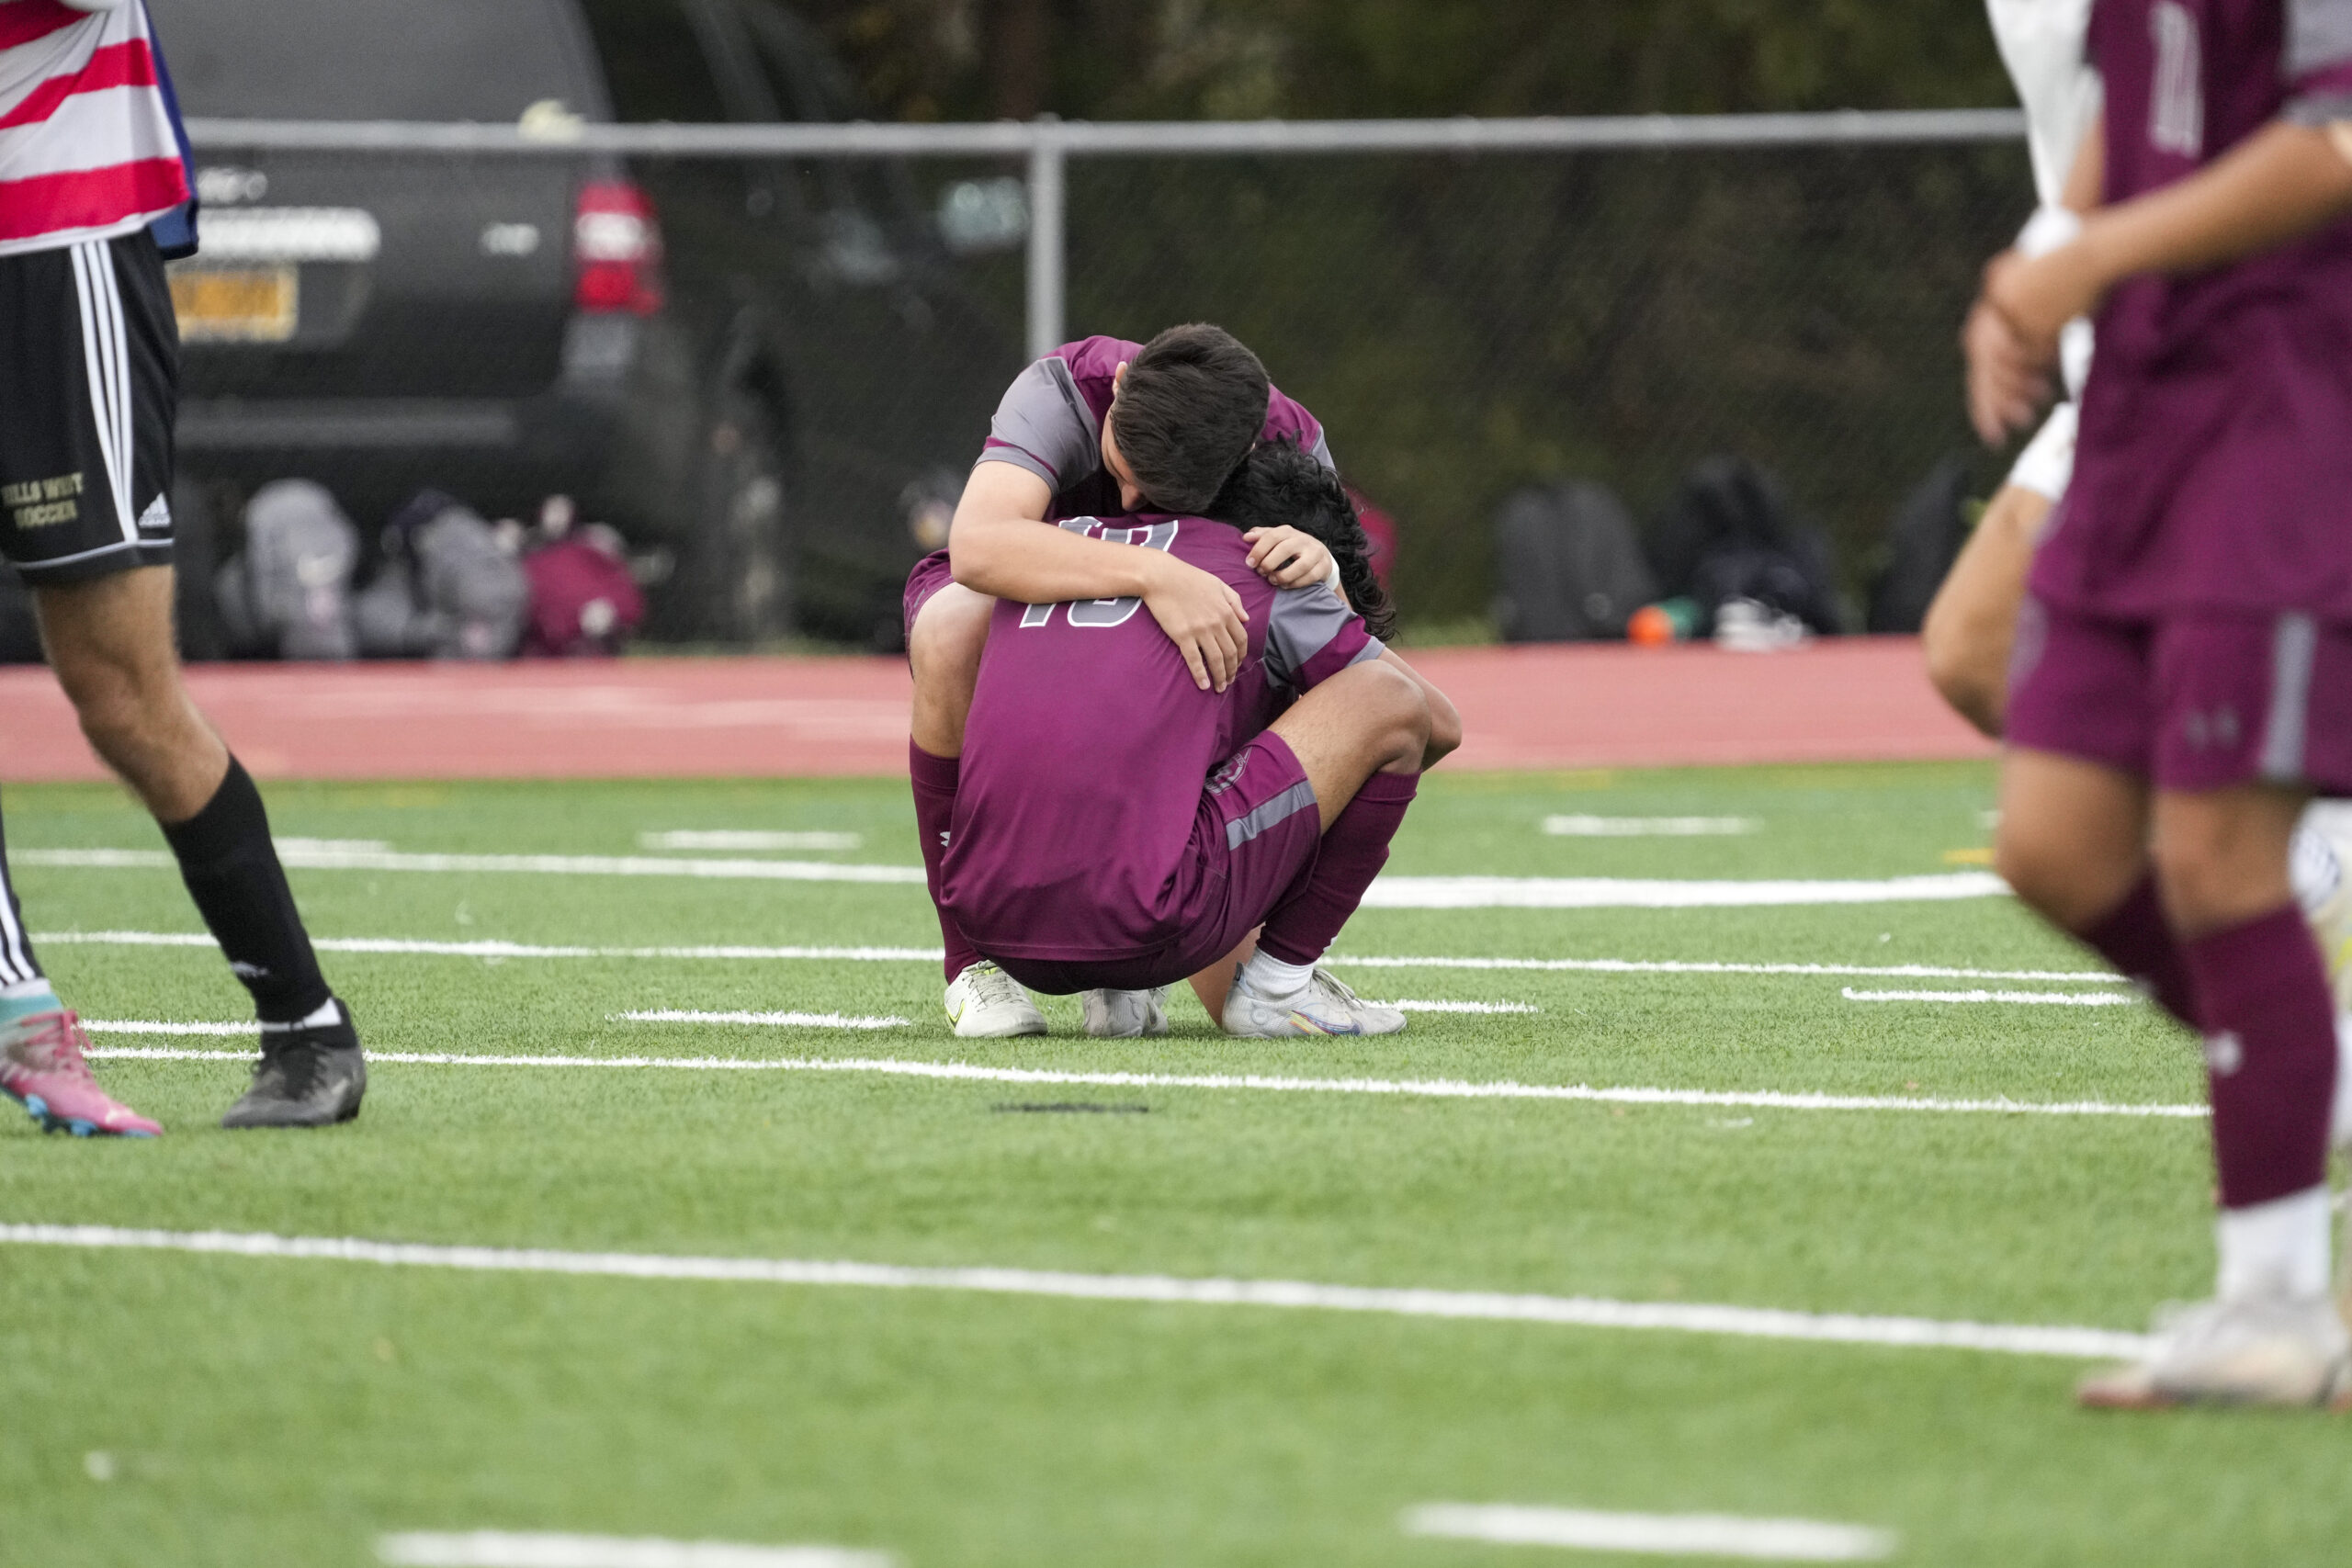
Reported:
(761, 371)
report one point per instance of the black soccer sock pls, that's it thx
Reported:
(231, 872)
(18, 965)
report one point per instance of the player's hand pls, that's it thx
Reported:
(1203, 616)
(1288, 558)
(2008, 370)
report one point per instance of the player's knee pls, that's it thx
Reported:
(1406, 720)
(947, 639)
(1966, 671)
(2216, 870)
(2045, 874)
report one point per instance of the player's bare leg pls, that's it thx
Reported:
(110, 641)
(1971, 623)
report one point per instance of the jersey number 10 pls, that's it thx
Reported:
(1103, 612)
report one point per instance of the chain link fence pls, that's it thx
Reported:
(776, 407)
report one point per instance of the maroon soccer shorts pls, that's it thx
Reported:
(931, 574)
(1255, 834)
(2191, 702)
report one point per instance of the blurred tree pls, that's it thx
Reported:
(1182, 59)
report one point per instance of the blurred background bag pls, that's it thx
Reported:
(1922, 542)
(1729, 533)
(447, 588)
(584, 603)
(1567, 565)
(286, 595)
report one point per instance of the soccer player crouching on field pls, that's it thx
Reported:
(1120, 828)
(2183, 672)
(1097, 428)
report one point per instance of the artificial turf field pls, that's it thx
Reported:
(255, 1410)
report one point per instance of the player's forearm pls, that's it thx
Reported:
(2276, 185)
(2086, 181)
(1032, 563)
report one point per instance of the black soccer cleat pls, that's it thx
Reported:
(309, 1075)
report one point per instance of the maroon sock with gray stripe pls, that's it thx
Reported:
(935, 780)
(1353, 849)
(2135, 936)
(2269, 1054)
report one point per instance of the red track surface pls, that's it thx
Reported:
(1851, 700)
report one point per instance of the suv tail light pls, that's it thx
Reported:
(618, 242)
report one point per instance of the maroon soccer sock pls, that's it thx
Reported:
(2270, 1055)
(1353, 849)
(935, 780)
(2137, 939)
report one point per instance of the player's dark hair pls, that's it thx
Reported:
(1280, 485)
(1188, 409)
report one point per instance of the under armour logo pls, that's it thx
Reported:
(2218, 729)
(942, 837)
(2224, 1054)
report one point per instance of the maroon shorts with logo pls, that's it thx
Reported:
(1254, 837)
(2191, 702)
(931, 574)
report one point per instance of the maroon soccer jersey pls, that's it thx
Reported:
(2214, 469)
(1050, 422)
(1088, 746)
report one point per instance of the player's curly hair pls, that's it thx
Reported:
(1279, 484)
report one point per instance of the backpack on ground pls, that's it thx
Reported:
(584, 603)
(1922, 541)
(286, 595)
(1567, 565)
(447, 588)
(1729, 533)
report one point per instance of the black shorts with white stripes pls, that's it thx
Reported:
(89, 381)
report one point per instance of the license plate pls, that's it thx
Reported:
(234, 304)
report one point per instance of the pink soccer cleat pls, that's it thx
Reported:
(41, 1069)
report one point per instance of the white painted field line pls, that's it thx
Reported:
(512, 1549)
(1386, 892)
(150, 1026)
(2021, 999)
(314, 858)
(749, 842)
(1411, 1006)
(1574, 826)
(1628, 893)
(775, 1019)
(1664, 1535)
(1410, 1089)
(410, 946)
(1585, 1312)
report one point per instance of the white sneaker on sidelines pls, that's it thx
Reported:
(986, 1003)
(1325, 1007)
(2276, 1351)
(2323, 890)
(1125, 1015)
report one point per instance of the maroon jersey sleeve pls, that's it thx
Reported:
(1044, 424)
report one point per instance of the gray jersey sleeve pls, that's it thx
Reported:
(1045, 426)
(1312, 634)
(2318, 63)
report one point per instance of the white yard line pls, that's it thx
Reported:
(1574, 826)
(774, 1020)
(415, 947)
(516, 1549)
(1411, 1006)
(1586, 1312)
(312, 858)
(1664, 1535)
(1386, 892)
(749, 840)
(2021, 999)
(1410, 1089)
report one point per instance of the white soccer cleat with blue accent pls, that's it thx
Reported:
(986, 1003)
(1125, 1015)
(1325, 1007)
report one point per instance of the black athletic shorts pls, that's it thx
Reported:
(89, 381)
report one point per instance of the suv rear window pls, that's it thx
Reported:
(432, 60)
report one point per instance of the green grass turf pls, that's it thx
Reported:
(287, 1412)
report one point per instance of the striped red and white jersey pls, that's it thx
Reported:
(87, 146)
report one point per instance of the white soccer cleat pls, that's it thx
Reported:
(1125, 1015)
(2275, 1351)
(986, 1003)
(1325, 1007)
